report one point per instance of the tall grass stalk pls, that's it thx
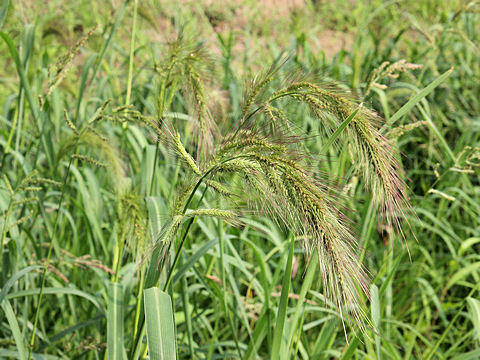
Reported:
(48, 259)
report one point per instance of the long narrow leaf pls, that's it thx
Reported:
(160, 326)
(14, 278)
(17, 334)
(115, 322)
(375, 307)
(337, 132)
(415, 99)
(474, 311)
(278, 334)
(3, 11)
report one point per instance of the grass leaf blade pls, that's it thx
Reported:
(474, 310)
(160, 325)
(17, 335)
(278, 334)
(115, 322)
(337, 132)
(415, 99)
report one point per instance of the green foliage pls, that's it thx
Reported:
(150, 170)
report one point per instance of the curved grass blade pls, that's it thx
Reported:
(17, 334)
(474, 311)
(57, 291)
(14, 278)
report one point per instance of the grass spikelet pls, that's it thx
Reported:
(169, 230)
(388, 70)
(8, 185)
(69, 122)
(172, 139)
(89, 160)
(58, 72)
(29, 179)
(25, 200)
(227, 215)
(400, 130)
(442, 194)
(18, 222)
(182, 197)
(182, 152)
(132, 229)
(30, 188)
(187, 66)
(99, 113)
(106, 151)
(219, 188)
(256, 87)
(270, 168)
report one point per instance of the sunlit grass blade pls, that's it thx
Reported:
(375, 309)
(474, 311)
(417, 97)
(17, 334)
(331, 139)
(160, 325)
(279, 334)
(115, 321)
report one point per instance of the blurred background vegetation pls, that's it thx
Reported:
(425, 299)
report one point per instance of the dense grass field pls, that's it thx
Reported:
(240, 180)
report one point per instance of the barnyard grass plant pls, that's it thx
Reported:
(262, 164)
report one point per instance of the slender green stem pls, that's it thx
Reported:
(177, 255)
(278, 334)
(121, 242)
(180, 247)
(188, 318)
(131, 57)
(4, 230)
(118, 257)
(138, 305)
(221, 243)
(47, 261)
(312, 269)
